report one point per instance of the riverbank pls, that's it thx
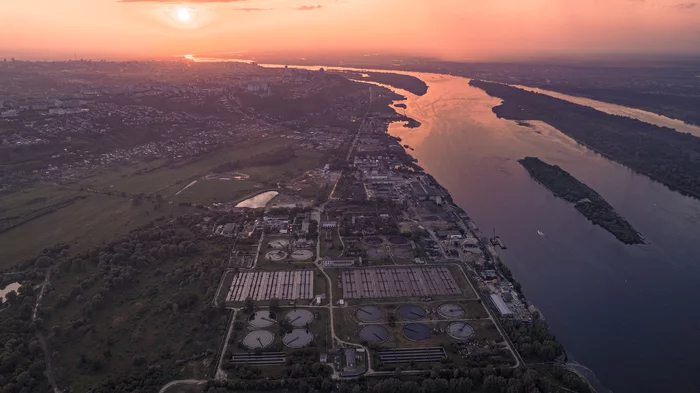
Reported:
(658, 152)
(474, 154)
(585, 199)
(550, 357)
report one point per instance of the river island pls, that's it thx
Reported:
(586, 200)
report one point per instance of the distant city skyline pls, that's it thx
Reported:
(448, 29)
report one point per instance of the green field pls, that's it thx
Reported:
(169, 179)
(85, 223)
(208, 191)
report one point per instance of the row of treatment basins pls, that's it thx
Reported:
(414, 331)
(299, 337)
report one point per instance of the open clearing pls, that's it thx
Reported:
(83, 224)
(168, 179)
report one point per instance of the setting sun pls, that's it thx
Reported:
(184, 14)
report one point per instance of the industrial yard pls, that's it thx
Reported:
(384, 272)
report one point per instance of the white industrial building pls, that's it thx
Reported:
(501, 305)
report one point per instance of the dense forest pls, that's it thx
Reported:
(586, 200)
(129, 315)
(22, 363)
(663, 154)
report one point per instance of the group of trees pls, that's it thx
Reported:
(21, 357)
(156, 276)
(439, 380)
(533, 340)
(595, 208)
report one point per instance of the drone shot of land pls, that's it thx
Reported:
(661, 153)
(210, 227)
(349, 196)
(585, 199)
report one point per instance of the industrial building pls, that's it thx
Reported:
(327, 262)
(501, 306)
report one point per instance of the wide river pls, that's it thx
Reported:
(626, 312)
(629, 313)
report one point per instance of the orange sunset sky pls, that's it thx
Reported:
(451, 29)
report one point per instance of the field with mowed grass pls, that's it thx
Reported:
(82, 224)
(208, 191)
(167, 178)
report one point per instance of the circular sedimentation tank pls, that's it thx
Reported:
(374, 241)
(451, 311)
(374, 333)
(298, 338)
(369, 314)
(302, 255)
(262, 319)
(278, 243)
(411, 312)
(403, 252)
(376, 253)
(258, 339)
(417, 332)
(460, 330)
(276, 255)
(397, 240)
(299, 318)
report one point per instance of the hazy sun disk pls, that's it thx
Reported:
(184, 14)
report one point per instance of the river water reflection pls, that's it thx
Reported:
(624, 311)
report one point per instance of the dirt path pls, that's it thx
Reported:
(40, 336)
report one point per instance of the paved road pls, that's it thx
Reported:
(319, 265)
(257, 253)
(220, 373)
(359, 131)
